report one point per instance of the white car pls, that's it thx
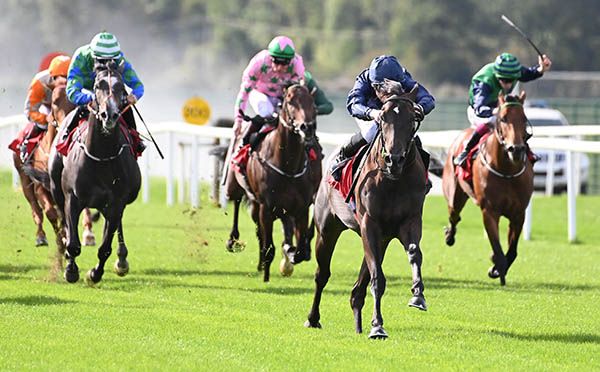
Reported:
(539, 116)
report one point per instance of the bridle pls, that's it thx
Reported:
(384, 154)
(296, 127)
(505, 147)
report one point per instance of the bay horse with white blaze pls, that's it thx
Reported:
(280, 183)
(389, 197)
(501, 185)
(100, 171)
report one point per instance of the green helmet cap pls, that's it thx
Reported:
(105, 45)
(507, 66)
(282, 47)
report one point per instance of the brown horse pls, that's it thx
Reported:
(279, 183)
(502, 182)
(389, 196)
(38, 194)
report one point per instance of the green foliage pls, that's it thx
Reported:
(187, 304)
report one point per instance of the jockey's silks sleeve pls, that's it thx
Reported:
(39, 94)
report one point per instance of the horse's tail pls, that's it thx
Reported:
(37, 175)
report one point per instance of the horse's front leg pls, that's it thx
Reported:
(410, 236)
(372, 244)
(302, 231)
(498, 270)
(121, 265)
(233, 244)
(514, 232)
(287, 247)
(72, 212)
(266, 231)
(359, 292)
(255, 213)
(112, 222)
(89, 239)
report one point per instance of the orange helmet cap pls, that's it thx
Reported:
(59, 66)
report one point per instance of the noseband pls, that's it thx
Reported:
(293, 126)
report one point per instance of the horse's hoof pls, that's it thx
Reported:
(502, 280)
(235, 246)
(493, 273)
(89, 239)
(449, 236)
(310, 324)
(121, 270)
(71, 276)
(378, 333)
(88, 279)
(418, 302)
(41, 241)
(285, 267)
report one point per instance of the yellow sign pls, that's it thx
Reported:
(196, 111)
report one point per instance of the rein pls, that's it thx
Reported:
(502, 143)
(281, 172)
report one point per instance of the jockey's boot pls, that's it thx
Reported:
(35, 130)
(347, 151)
(255, 124)
(80, 113)
(473, 141)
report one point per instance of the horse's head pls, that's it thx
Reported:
(398, 126)
(298, 112)
(511, 126)
(110, 93)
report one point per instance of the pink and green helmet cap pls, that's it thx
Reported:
(282, 47)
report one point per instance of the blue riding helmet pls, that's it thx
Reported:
(385, 67)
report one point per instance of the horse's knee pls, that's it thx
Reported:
(322, 277)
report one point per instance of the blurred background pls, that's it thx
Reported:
(183, 48)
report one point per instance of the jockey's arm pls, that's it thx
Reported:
(131, 79)
(424, 98)
(324, 105)
(356, 104)
(249, 78)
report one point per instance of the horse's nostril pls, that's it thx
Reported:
(510, 149)
(388, 159)
(303, 127)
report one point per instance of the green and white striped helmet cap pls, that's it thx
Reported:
(507, 66)
(105, 45)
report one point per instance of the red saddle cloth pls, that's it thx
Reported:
(65, 146)
(31, 142)
(345, 182)
(466, 171)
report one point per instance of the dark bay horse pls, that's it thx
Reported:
(100, 172)
(38, 193)
(279, 183)
(389, 197)
(502, 182)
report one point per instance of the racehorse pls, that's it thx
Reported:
(100, 171)
(38, 193)
(389, 195)
(280, 183)
(502, 182)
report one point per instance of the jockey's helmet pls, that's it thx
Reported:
(385, 67)
(105, 46)
(59, 66)
(507, 66)
(282, 47)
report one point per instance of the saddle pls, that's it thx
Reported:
(65, 145)
(31, 142)
(349, 172)
(466, 171)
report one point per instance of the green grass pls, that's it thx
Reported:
(187, 304)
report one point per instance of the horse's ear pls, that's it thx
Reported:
(501, 99)
(522, 96)
(413, 92)
(99, 66)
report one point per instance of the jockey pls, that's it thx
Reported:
(263, 81)
(364, 105)
(38, 106)
(486, 84)
(103, 48)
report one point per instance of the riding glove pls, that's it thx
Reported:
(419, 113)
